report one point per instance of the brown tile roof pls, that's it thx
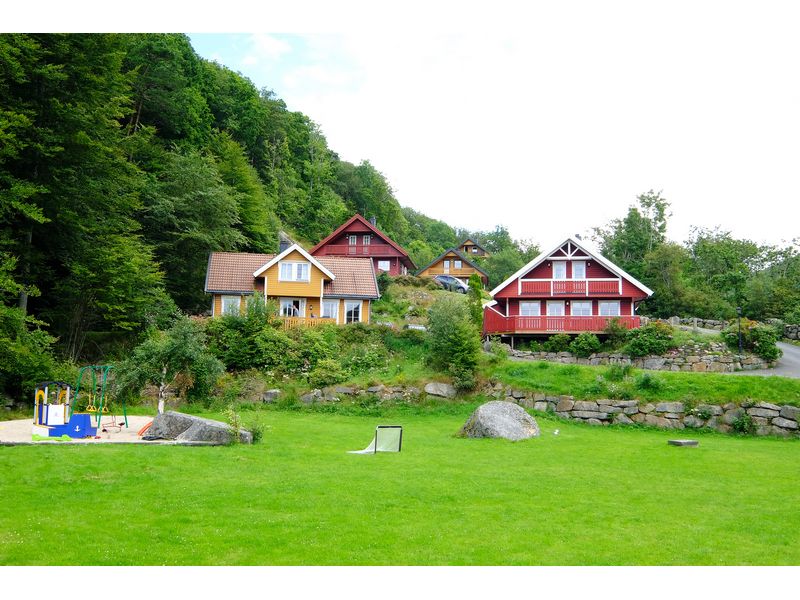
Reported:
(233, 272)
(354, 277)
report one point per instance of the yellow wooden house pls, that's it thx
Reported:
(472, 248)
(452, 262)
(308, 290)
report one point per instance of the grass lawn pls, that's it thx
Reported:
(589, 496)
(586, 382)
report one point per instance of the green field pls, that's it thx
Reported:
(588, 496)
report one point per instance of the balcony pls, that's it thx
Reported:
(297, 322)
(496, 324)
(570, 287)
(358, 250)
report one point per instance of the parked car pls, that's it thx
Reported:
(451, 283)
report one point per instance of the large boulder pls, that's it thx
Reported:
(188, 428)
(499, 419)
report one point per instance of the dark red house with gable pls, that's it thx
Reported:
(359, 237)
(568, 289)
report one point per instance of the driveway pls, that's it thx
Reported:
(788, 364)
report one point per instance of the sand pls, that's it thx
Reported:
(19, 432)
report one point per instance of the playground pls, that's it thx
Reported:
(110, 431)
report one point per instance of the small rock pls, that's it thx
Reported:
(784, 423)
(442, 390)
(270, 396)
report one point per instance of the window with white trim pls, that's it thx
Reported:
(608, 308)
(330, 309)
(293, 307)
(384, 265)
(294, 271)
(456, 264)
(474, 250)
(231, 305)
(559, 269)
(447, 266)
(581, 309)
(352, 312)
(578, 269)
(367, 239)
(530, 309)
(555, 308)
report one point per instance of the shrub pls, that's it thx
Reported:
(618, 372)
(362, 359)
(743, 424)
(616, 334)
(756, 338)
(453, 339)
(326, 372)
(584, 345)
(655, 338)
(648, 381)
(557, 343)
(274, 349)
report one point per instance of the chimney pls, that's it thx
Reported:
(374, 221)
(284, 241)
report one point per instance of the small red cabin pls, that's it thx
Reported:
(359, 237)
(568, 289)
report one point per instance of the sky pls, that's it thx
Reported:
(547, 118)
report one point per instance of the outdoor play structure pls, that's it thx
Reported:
(54, 413)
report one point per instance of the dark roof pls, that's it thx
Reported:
(374, 229)
(233, 272)
(457, 253)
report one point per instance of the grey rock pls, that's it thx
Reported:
(347, 391)
(270, 396)
(376, 389)
(670, 407)
(442, 390)
(729, 416)
(605, 402)
(768, 406)
(763, 412)
(670, 415)
(631, 410)
(626, 403)
(638, 417)
(565, 403)
(654, 363)
(711, 409)
(540, 406)
(189, 428)
(594, 421)
(622, 419)
(784, 423)
(589, 414)
(517, 394)
(585, 405)
(498, 419)
(311, 397)
(612, 410)
(647, 408)
(790, 412)
(693, 422)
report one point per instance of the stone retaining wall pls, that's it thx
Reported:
(764, 417)
(790, 331)
(713, 358)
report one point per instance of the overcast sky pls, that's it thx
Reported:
(549, 121)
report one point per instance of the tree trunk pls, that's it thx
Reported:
(26, 262)
(162, 391)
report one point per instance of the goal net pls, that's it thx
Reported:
(388, 438)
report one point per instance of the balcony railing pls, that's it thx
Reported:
(296, 322)
(360, 250)
(494, 323)
(570, 287)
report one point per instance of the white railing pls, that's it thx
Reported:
(571, 287)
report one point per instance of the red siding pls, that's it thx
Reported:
(513, 305)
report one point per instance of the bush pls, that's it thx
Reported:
(452, 337)
(326, 372)
(655, 338)
(557, 343)
(584, 345)
(743, 424)
(616, 334)
(618, 372)
(756, 338)
(648, 381)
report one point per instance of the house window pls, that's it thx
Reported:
(530, 309)
(609, 308)
(294, 271)
(559, 269)
(330, 309)
(578, 269)
(231, 305)
(293, 307)
(474, 250)
(352, 312)
(582, 309)
(456, 264)
(352, 240)
(555, 308)
(367, 239)
(447, 266)
(384, 265)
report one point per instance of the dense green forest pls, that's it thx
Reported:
(126, 158)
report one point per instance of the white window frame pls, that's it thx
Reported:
(582, 263)
(330, 314)
(583, 304)
(446, 266)
(530, 309)
(348, 306)
(366, 239)
(604, 305)
(474, 250)
(457, 265)
(352, 240)
(294, 271)
(286, 302)
(231, 310)
(387, 267)
(562, 264)
(551, 303)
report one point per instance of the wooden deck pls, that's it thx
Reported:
(495, 324)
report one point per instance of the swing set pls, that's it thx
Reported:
(54, 413)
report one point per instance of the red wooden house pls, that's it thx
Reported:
(568, 289)
(359, 237)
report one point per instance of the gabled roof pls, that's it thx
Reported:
(457, 253)
(474, 243)
(582, 246)
(358, 218)
(288, 251)
(232, 272)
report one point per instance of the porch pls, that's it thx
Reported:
(296, 322)
(497, 324)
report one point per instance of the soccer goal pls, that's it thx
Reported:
(388, 438)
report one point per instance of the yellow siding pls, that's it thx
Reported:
(437, 268)
(218, 304)
(294, 289)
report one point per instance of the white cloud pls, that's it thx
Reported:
(265, 47)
